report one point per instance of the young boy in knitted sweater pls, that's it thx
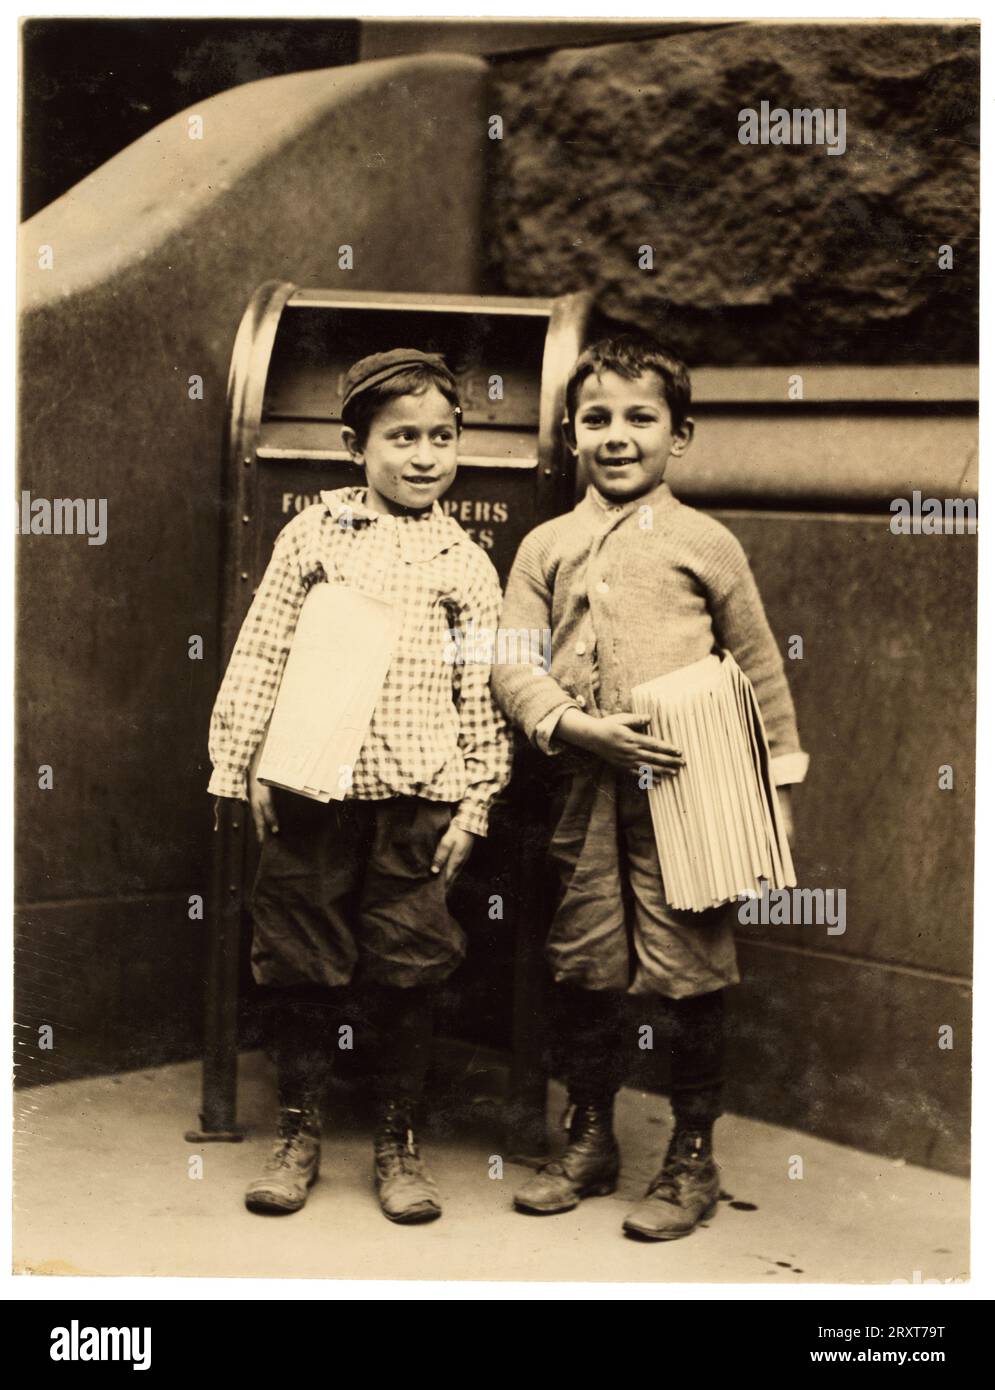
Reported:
(633, 584)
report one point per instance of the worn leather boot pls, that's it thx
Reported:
(406, 1189)
(684, 1192)
(588, 1167)
(293, 1165)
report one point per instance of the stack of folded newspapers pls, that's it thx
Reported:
(718, 826)
(334, 674)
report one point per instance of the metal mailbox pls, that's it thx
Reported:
(282, 447)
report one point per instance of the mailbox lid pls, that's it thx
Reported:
(496, 357)
(513, 470)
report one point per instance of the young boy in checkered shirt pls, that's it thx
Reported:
(353, 893)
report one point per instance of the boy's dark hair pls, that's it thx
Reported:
(359, 412)
(629, 355)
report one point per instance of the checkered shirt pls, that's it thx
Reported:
(436, 732)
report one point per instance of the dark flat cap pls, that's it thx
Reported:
(381, 366)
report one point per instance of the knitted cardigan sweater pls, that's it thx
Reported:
(629, 593)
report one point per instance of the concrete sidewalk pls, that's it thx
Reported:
(103, 1186)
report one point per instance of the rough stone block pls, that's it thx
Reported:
(776, 253)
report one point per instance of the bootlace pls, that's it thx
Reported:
(396, 1155)
(668, 1182)
(292, 1123)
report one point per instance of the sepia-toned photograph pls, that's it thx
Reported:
(496, 582)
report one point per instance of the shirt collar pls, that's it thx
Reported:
(613, 512)
(421, 535)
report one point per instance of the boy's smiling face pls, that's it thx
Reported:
(623, 435)
(409, 454)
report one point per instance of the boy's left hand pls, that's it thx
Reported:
(451, 853)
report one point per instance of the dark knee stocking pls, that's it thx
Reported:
(697, 1052)
(401, 1025)
(589, 1037)
(303, 1019)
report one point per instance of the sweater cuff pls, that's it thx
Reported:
(540, 697)
(546, 728)
(789, 767)
(226, 781)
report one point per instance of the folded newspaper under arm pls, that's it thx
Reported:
(334, 674)
(718, 826)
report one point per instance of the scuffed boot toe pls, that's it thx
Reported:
(291, 1169)
(409, 1198)
(588, 1166)
(552, 1190)
(679, 1198)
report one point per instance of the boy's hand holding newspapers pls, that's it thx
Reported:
(621, 740)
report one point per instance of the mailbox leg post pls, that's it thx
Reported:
(526, 1105)
(220, 1066)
